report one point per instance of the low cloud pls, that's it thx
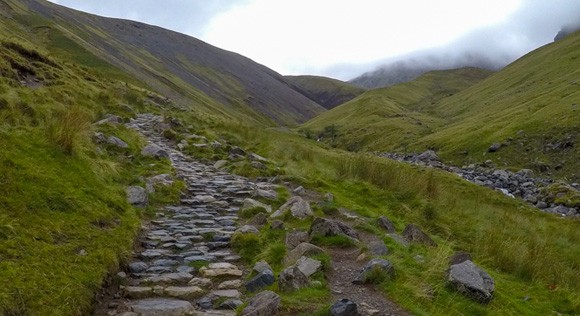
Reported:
(535, 24)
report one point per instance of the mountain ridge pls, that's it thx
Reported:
(150, 53)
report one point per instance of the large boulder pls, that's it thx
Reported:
(413, 233)
(155, 151)
(265, 303)
(471, 281)
(297, 206)
(136, 195)
(375, 265)
(328, 227)
(292, 279)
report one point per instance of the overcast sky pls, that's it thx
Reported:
(344, 38)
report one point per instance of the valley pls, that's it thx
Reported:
(145, 172)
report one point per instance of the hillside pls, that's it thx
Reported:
(529, 106)
(391, 118)
(180, 67)
(327, 92)
(117, 200)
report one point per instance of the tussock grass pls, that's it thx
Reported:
(69, 129)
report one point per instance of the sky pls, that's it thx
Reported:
(344, 38)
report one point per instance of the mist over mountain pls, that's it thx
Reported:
(411, 67)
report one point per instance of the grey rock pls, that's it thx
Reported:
(294, 238)
(494, 147)
(155, 151)
(329, 197)
(292, 279)
(413, 233)
(299, 190)
(375, 264)
(251, 203)
(386, 224)
(220, 164)
(259, 220)
(542, 205)
(262, 266)
(260, 281)
(428, 155)
(136, 195)
(297, 206)
(378, 248)
(344, 307)
(116, 141)
(237, 151)
(277, 225)
(267, 194)
(256, 157)
(137, 292)
(266, 303)
(137, 267)
(308, 266)
(231, 304)
(110, 119)
(459, 257)
(471, 281)
(161, 307)
(183, 292)
(328, 227)
(303, 249)
(247, 229)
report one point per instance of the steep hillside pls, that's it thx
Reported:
(530, 106)
(391, 118)
(181, 67)
(327, 92)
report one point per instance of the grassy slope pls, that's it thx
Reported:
(53, 209)
(390, 118)
(536, 96)
(64, 220)
(185, 68)
(327, 92)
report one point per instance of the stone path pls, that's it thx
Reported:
(182, 238)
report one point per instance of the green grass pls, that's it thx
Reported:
(528, 105)
(64, 221)
(528, 252)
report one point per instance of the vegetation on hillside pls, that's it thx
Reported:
(65, 223)
(530, 107)
(327, 92)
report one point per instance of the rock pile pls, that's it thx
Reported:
(519, 184)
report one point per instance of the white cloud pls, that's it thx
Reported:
(300, 35)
